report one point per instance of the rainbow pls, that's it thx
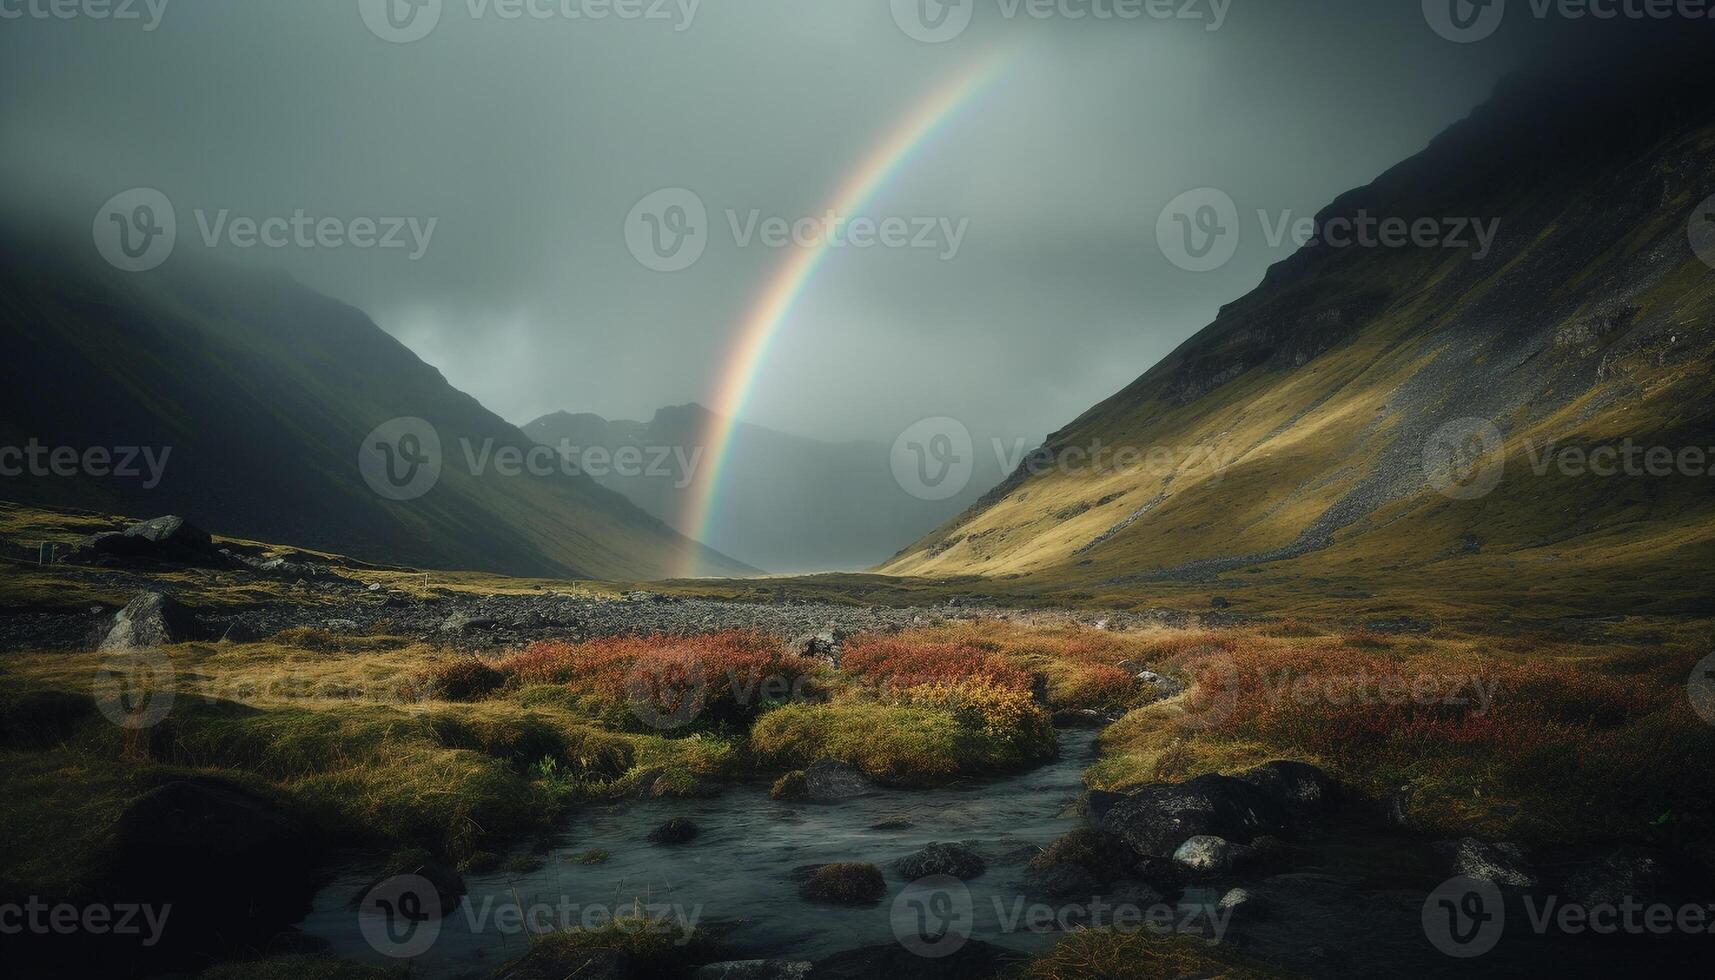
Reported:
(773, 307)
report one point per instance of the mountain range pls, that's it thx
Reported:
(262, 401)
(1454, 421)
(788, 504)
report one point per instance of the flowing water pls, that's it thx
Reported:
(739, 874)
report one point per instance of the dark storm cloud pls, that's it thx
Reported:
(526, 141)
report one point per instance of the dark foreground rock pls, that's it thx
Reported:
(829, 780)
(163, 540)
(755, 970)
(233, 866)
(844, 884)
(678, 830)
(1503, 864)
(936, 858)
(1156, 819)
(974, 961)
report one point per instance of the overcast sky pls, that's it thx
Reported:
(528, 142)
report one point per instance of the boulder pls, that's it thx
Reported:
(1156, 819)
(162, 539)
(755, 970)
(1061, 881)
(678, 830)
(1503, 864)
(1206, 855)
(229, 861)
(1296, 784)
(1101, 854)
(845, 884)
(941, 859)
(829, 780)
(974, 960)
(1628, 873)
(148, 621)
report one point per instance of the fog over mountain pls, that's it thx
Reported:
(525, 295)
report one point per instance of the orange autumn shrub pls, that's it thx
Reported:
(901, 663)
(669, 682)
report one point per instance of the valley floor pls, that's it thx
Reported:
(378, 723)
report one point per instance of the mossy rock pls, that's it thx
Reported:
(848, 883)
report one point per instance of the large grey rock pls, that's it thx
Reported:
(1158, 818)
(1503, 864)
(1209, 855)
(148, 621)
(164, 539)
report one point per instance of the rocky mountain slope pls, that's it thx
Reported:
(1417, 418)
(255, 395)
(789, 504)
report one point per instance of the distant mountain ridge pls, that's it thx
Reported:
(790, 504)
(264, 391)
(1334, 387)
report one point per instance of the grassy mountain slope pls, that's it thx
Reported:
(264, 391)
(1590, 323)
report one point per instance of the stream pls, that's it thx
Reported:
(1347, 900)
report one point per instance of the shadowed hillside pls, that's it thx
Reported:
(1333, 427)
